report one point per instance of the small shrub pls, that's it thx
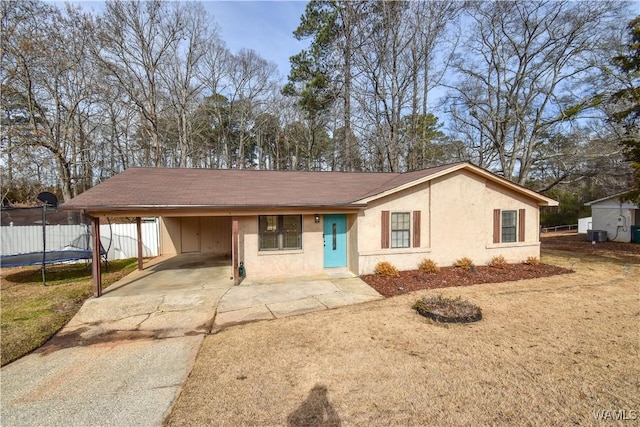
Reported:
(532, 261)
(463, 263)
(450, 310)
(386, 269)
(498, 261)
(429, 266)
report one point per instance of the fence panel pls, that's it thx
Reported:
(120, 239)
(27, 239)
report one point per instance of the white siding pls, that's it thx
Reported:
(584, 224)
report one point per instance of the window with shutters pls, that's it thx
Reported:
(400, 229)
(508, 226)
(509, 223)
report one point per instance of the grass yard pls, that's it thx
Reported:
(552, 351)
(33, 313)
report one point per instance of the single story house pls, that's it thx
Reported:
(615, 216)
(293, 222)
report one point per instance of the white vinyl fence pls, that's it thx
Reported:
(119, 239)
(124, 240)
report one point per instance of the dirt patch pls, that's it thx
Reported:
(415, 280)
(578, 243)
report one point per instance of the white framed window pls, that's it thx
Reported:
(400, 229)
(509, 226)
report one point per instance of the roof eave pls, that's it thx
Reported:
(173, 208)
(613, 196)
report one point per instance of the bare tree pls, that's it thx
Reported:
(522, 74)
(136, 39)
(384, 87)
(251, 80)
(47, 89)
(179, 76)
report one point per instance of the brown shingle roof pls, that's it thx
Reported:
(164, 187)
(145, 188)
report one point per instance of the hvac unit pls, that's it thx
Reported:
(598, 236)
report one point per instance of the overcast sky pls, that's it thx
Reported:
(265, 26)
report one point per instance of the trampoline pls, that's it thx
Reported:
(36, 258)
(77, 250)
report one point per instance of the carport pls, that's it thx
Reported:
(188, 224)
(175, 273)
(180, 234)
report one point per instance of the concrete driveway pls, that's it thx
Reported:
(123, 359)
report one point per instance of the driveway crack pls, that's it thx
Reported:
(212, 322)
(157, 309)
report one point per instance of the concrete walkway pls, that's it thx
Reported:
(281, 297)
(123, 359)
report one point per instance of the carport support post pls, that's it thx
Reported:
(139, 228)
(235, 249)
(96, 270)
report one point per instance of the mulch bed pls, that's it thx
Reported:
(415, 280)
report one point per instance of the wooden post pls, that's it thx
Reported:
(235, 255)
(96, 268)
(139, 227)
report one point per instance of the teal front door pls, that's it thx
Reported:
(335, 241)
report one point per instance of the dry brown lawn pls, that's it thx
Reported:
(550, 351)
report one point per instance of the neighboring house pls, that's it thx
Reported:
(614, 216)
(294, 223)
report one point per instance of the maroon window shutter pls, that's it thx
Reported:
(385, 229)
(416, 229)
(496, 226)
(521, 224)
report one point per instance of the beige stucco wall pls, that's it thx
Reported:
(456, 222)
(308, 260)
(170, 236)
(369, 230)
(207, 234)
(215, 236)
(353, 261)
